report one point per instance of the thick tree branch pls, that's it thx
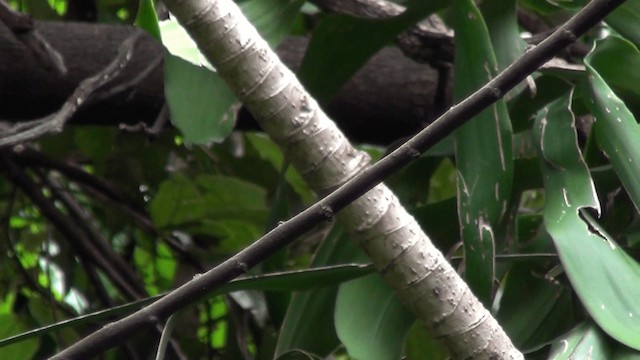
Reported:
(391, 96)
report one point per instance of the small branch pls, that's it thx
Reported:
(127, 85)
(85, 223)
(55, 122)
(11, 250)
(63, 223)
(154, 130)
(104, 191)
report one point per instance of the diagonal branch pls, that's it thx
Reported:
(427, 299)
(65, 225)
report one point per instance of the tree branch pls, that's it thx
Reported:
(391, 96)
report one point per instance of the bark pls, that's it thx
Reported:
(391, 97)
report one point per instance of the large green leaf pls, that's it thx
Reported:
(533, 310)
(420, 345)
(605, 278)
(225, 208)
(200, 103)
(584, 342)
(502, 22)
(370, 321)
(272, 18)
(182, 201)
(626, 20)
(341, 44)
(317, 306)
(483, 152)
(147, 19)
(617, 131)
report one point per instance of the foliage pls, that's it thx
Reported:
(544, 212)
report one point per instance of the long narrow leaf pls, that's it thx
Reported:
(605, 278)
(284, 281)
(617, 131)
(483, 152)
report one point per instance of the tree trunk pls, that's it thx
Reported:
(400, 250)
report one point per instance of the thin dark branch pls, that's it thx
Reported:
(127, 85)
(64, 224)
(85, 222)
(104, 191)
(30, 130)
(159, 124)
(32, 157)
(12, 253)
(324, 209)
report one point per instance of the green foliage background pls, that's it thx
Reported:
(553, 250)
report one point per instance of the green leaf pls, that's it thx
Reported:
(624, 353)
(178, 43)
(270, 152)
(317, 306)
(440, 221)
(352, 41)
(533, 310)
(10, 325)
(372, 326)
(616, 129)
(200, 103)
(584, 342)
(180, 200)
(272, 18)
(625, 19)
(419, 345)
(225, 208)
(155, 263)
(147, 19)
(605, 278)
(483, 152)
(502, 24)
(524, 106)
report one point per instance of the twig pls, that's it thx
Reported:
(154, 130)
(11, 250)
(127, 85)
(55, 122)
(85, 223)
(324, 209)
(104, 191)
